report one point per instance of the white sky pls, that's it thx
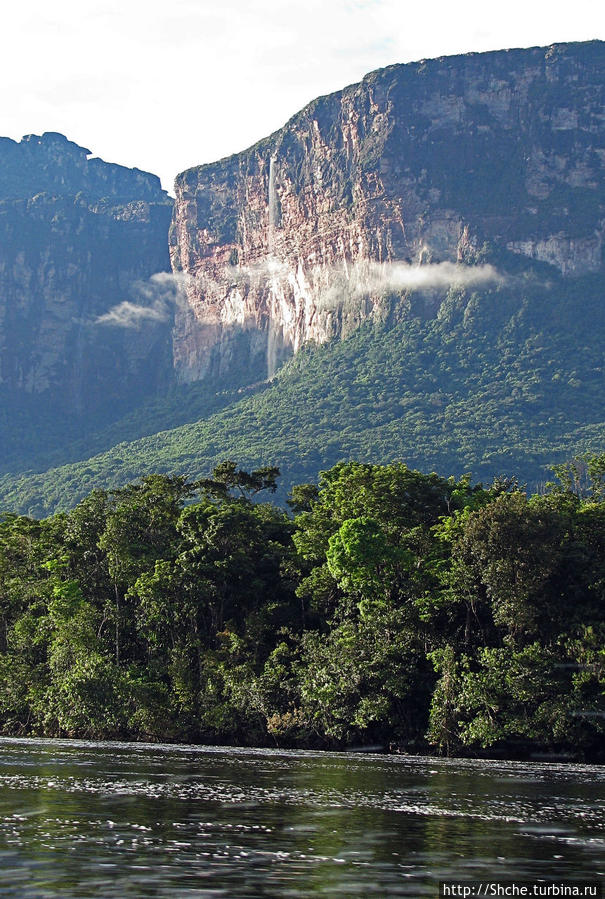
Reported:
(167, 84)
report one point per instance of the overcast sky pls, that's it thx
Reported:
(167, 84)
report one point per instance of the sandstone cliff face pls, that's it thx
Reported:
(418, 163)
(75, 235)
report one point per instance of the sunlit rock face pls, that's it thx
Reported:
(76, 235)
(418, 163)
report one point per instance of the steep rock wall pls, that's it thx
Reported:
(418, 163)
(76, 234)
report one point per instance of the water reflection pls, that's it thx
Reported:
(120, 820)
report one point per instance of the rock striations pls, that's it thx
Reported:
(455, 161)
(422, 163)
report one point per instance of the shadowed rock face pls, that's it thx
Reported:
(76, 234)
(417, 163)
(50, 163)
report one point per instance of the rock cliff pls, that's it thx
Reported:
(294, 239)
(76, 235)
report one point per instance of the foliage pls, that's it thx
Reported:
(506, 380)
(395, 608)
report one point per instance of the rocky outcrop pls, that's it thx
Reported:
(292, 239)
(76, 236)
(52, 164)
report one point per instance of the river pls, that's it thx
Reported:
(104, 820)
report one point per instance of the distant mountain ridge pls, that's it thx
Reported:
(453, 209)
(76, 235)
(50, 163)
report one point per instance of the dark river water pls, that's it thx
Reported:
(120, 819)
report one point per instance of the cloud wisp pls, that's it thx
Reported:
(153, 300)
(369, 278)
(156, 299)
(366, 278)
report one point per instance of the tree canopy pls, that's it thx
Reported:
(415, 611)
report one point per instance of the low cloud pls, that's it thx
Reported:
(156, 299)
(369, 278)
(153, 300)
(366, 276)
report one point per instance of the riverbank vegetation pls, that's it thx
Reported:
(386, 607)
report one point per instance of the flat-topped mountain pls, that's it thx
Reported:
(458, 159)
(446, 216)
(52, 164)
(76, 235)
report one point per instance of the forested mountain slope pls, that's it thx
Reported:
(503, 381)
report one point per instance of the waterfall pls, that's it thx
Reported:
(272, 333)
(272, 206)
(272, 348)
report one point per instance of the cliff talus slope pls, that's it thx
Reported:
(419, 163)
